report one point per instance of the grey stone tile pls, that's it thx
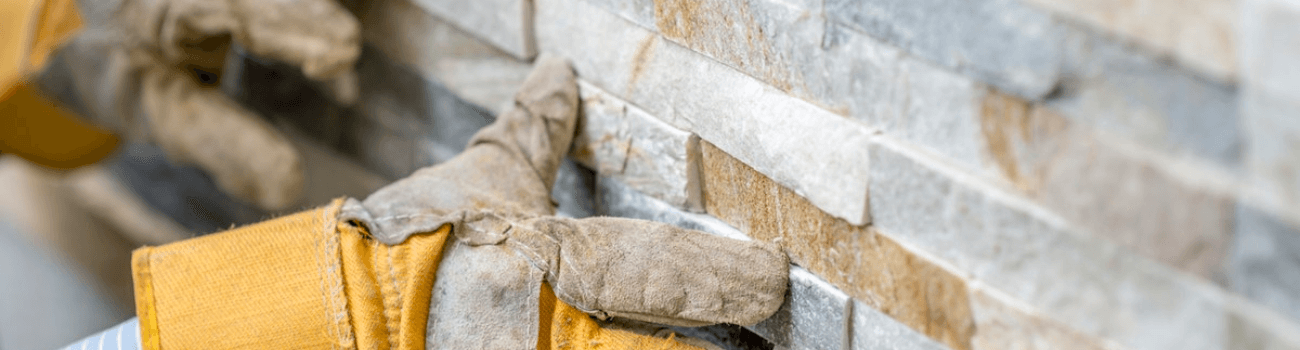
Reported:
(1001, 42)
(815, 315)
(1112, 87)
(1264, 263)
(873, 330)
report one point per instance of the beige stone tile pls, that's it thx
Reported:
(865, 264)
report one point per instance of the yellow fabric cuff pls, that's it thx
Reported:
(309, 281)
(303, 281)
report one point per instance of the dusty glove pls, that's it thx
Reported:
(134, 75)
(462, 255)
(496, 198)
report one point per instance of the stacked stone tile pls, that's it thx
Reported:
(945, 174)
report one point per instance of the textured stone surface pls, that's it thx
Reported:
(1004, 326)
(473, 69)
(873, 330)
(622, 141)
(815, 316)
(814, 152)
(1198, 33)
(506, 24)
(1102, 82)
(1091, 77)
(1033, 256)
(1112, 87)
(1264, 264)
(1106, 191)
(731, 32)
(790, 45)
(866, 264)
(988, 40)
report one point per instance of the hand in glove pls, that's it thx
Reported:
(496, 197)
(148, 74)
(462, 255)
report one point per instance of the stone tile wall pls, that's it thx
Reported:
(945, 174)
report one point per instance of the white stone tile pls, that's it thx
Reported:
(623, 142)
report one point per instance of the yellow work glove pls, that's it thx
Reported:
(461, 255)
(505, 246)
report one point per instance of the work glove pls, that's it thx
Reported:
(461, 255)
(150, 73)
(496, 198)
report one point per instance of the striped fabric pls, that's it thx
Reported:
(124, 336)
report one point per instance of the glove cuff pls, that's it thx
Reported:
(306, 280)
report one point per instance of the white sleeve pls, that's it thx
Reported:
(124, 336)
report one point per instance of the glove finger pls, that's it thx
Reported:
(318, 35)
(182, 30)
(654, 272)
(245, 155)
